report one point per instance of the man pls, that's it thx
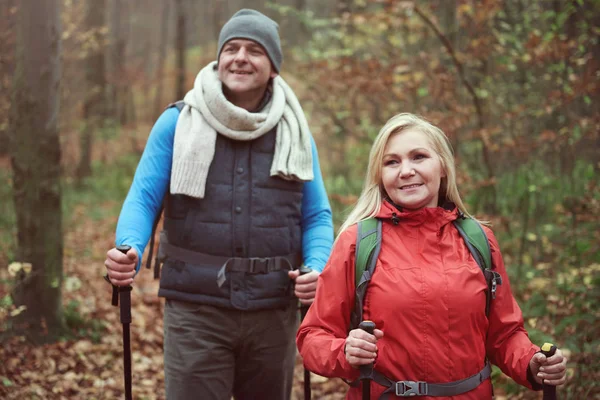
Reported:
(245, 206)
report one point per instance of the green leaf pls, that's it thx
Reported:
(6, 301)
(6, 382)
(482, 93)
(54, 283)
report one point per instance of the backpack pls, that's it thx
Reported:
(159, 257)
(368, 245)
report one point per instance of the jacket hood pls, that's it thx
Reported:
(442, 214)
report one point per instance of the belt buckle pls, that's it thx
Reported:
(411, 388)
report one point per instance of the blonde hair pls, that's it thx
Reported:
(372, 195)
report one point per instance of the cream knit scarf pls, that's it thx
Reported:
(207, 112)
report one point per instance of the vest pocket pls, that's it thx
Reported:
(265, 286)
(188, 278)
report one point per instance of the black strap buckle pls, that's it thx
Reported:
(496, 280)
(258, 265)
(411, 388)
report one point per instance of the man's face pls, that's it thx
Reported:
(244, 68)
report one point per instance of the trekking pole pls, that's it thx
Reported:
(303, 309)
(125, 312)
(366, 370)
(548, 349)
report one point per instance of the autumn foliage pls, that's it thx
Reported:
(515, 84)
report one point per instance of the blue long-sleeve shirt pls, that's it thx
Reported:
(151, 182)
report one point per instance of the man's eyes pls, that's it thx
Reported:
(252, 50)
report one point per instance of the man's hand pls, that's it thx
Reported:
(551, 370)
(306, 286)
(121, 267)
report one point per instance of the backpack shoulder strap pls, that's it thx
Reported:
(178, 104)
(476, 240)
(368, 245)
(152, 244)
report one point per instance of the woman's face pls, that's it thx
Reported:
(411, 171)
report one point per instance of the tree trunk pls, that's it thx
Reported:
(218, 17)
(114, 62)
(35, 157)
(162, 55)
(7, 66)
(119, 87)
(94, 105)
(293, 29)
(180, 44)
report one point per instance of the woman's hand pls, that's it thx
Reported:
(549, 371)
(360, 347)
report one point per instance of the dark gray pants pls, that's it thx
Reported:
(213, 353)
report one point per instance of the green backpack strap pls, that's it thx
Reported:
(477, 242)
(368, 245)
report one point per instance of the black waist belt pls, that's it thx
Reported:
(420, 388)
(251, 265)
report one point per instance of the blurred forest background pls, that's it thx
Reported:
(514, 83)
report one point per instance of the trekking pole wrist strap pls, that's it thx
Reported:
(115, 292)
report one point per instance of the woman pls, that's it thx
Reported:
(427, 296)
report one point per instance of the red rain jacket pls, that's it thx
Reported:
(428, 297)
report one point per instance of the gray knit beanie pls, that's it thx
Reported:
(253, 25)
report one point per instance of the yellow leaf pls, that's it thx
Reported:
(532, 237)
(552, 298)
(72, 283)
(542, 266)
(532, 322)
(590, 269)
(27, 267)
(14, 268)
(539, 283)
(18, 311)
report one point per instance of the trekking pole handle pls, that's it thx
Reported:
(369, 327)
(548, 349)
(125, 293)
(304, 270)
(123, 248)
